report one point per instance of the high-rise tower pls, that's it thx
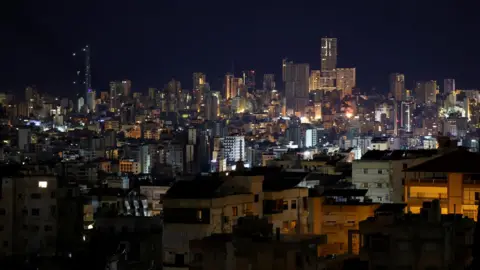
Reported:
(88, 75)
(86, 81)
(397, 86)
(328, 54)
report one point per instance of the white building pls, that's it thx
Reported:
(234, 148)
(311, 138)
(381, 172)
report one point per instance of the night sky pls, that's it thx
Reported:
(151, 41)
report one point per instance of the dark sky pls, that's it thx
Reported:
(151, 41)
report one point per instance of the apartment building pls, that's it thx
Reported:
(252, 245)
(453, 178)
(381, 172)
(337, 214)
(395, 240)
(212, 205)
(28, 214)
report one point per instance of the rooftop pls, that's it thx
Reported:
(397, 154)
(458, 161)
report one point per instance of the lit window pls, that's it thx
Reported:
(42, 184)
(234, 211)
(199, 214)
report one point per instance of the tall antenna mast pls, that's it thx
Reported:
(88, 75)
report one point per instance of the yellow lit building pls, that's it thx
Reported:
(337, 214)
(129, 166)
(453, 179)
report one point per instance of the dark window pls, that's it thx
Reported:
(179, 259)
(36, 196)
(2, 228)
(256, 198)
(477, 196)
(285, 205)
(35, 211)
(380, 171)
(405, 166)
(24, 227)
(3, 212)
(5, 243)
(365, 171)
(52, 195)
(305, 203)
(198, 257)
(48, 228)
(25, 211)
(293, 204)
(53, 210)
(298, 260)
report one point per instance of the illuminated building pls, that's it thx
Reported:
(406, 114)
(381, 172)
(130, 166)
(315, 80)
(234, 149)
(199, 79)
(296, 87)
(318, 110)
(249, 80)
(397, 86)
(346, 80)
(328, 54)
(337, 213)
(127, 87)
(268, 82)
(426, 92)
(212, 105)
(174, 91)
(228, 86)
(452, 178)
(91, 100)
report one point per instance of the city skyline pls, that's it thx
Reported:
(199, 44)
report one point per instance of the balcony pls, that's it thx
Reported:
(435, 180)
(429, 196)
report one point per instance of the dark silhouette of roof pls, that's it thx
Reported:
(397, 154)
(345, 192)
(391, 208)
(459, 161)
(194, 189)
(282, 180)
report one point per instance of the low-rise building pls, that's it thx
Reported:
(453, 178)
(395, 240)
(337, 214)
(251, 247)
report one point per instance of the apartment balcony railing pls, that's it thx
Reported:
(429, 181)
(428, 196)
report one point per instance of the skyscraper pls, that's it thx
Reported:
(296, 87)
(448, 86)
(268, 82)
(127, 87)
(426, 92)
(199, 79)
(91, 100)
(328, 54)
(228, 85)
(346, 80)
(397, 86)
(88, 75)
(249, 79)
(315, 80)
